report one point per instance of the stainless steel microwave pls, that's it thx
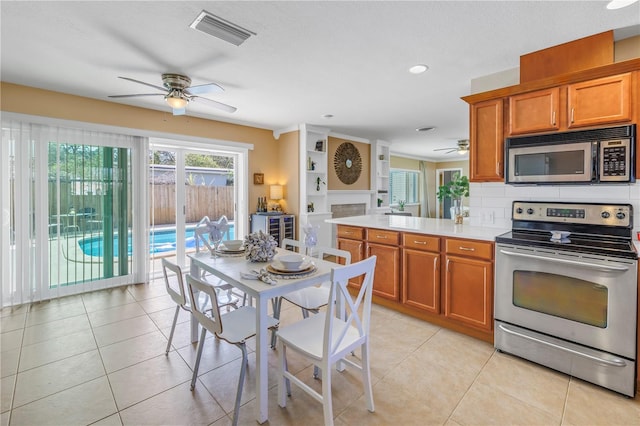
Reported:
(588, 157)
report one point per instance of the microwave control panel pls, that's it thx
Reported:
(614, 160)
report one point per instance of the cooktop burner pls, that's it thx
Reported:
(574, 243)
(603, 229)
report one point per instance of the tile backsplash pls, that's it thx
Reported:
(490, 203)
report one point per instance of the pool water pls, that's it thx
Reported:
(159, 242)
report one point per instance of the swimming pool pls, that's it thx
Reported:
(159, 242)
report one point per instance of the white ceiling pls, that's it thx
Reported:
(309, 58)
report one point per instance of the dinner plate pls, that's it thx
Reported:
(276, 265)
(309, 269)
(226, 250)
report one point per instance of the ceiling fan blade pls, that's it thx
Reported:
(179, 111)
(164, 89)
(446, 149)
(139, 94)
(204, 88)
(215, 104)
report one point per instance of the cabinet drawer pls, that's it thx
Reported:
(351, 232)
(421, 242)
(471, 248)
(383, 237)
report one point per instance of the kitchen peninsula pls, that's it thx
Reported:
(431, 269)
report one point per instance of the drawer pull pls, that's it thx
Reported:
(382, 237)
(348, 232)
(424, 243)
(466, 248)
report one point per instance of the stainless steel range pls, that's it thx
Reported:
(566, 290)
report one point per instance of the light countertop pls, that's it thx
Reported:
(421, 225)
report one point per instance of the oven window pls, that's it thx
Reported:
(561, 296)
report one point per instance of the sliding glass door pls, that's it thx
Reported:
(67, 204)
(187, 183)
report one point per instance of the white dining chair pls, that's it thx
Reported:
(174, 283)
(309, 299)
(325, 339)
(235, 327)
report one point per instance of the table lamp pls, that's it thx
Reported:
(276, 193)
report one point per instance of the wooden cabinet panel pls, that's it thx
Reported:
(420, 242)
(487, 145)
(534, 111)
(468, 288)
(383, 237)
(386, 281)
(421, 280)
(352, 232)
(356, 248)
(472, 248)
(600, 101)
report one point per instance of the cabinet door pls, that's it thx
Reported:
(468, 291)
(356, 248)
(534, 112)
(421, 280)
(601, 101)
(487, 144)
(386, 281)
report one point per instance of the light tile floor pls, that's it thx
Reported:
(99, 359)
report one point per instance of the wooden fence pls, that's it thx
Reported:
(212, 201)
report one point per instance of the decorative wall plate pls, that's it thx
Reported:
(347, 163)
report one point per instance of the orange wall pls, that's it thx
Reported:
(264, 158)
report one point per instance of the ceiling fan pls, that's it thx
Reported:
(462, 148)
(178, 92)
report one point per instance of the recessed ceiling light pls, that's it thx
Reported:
(424, 129)
(327, 116)
(619, 4)
(418, 69)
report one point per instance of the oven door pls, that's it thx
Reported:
(561, 163)
(586, 299)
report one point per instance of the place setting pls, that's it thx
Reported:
(231, 248)
(291, 266)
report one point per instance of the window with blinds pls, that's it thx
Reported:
(404, 185)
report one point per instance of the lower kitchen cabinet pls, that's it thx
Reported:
(421, 272)
(468, 283)
(351, 239)
(386, 280)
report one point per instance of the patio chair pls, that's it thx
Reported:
(234, 327)
(325, 339)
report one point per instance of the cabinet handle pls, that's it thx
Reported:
(382, 237)
(435, 263)
(447, 265)
(572, 115)
(466, 248)
(553, 118)
(424, 243)
(498, 168)
(348, 232)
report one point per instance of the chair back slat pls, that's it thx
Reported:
(340, 277)
(212, 321)
(174, 282)
(296, 244)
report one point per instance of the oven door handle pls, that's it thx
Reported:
(615, 362)
(568, 262)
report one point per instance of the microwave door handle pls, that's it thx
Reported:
(567, 262)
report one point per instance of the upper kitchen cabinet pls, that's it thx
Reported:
(537, 111)
(601, 101)
(487, 141)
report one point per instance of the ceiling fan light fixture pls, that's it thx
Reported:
(176, 100)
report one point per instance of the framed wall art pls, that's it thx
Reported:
(258, 178)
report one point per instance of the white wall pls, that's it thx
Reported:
(490, 203)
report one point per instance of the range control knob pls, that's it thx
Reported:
(519, 210)
(529, 210)
(620, 215)
(605, 215)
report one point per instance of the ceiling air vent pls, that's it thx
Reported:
(223, 29)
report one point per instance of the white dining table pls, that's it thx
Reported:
(229, 269)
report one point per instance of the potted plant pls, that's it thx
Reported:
(455, 189)
(401, 205)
